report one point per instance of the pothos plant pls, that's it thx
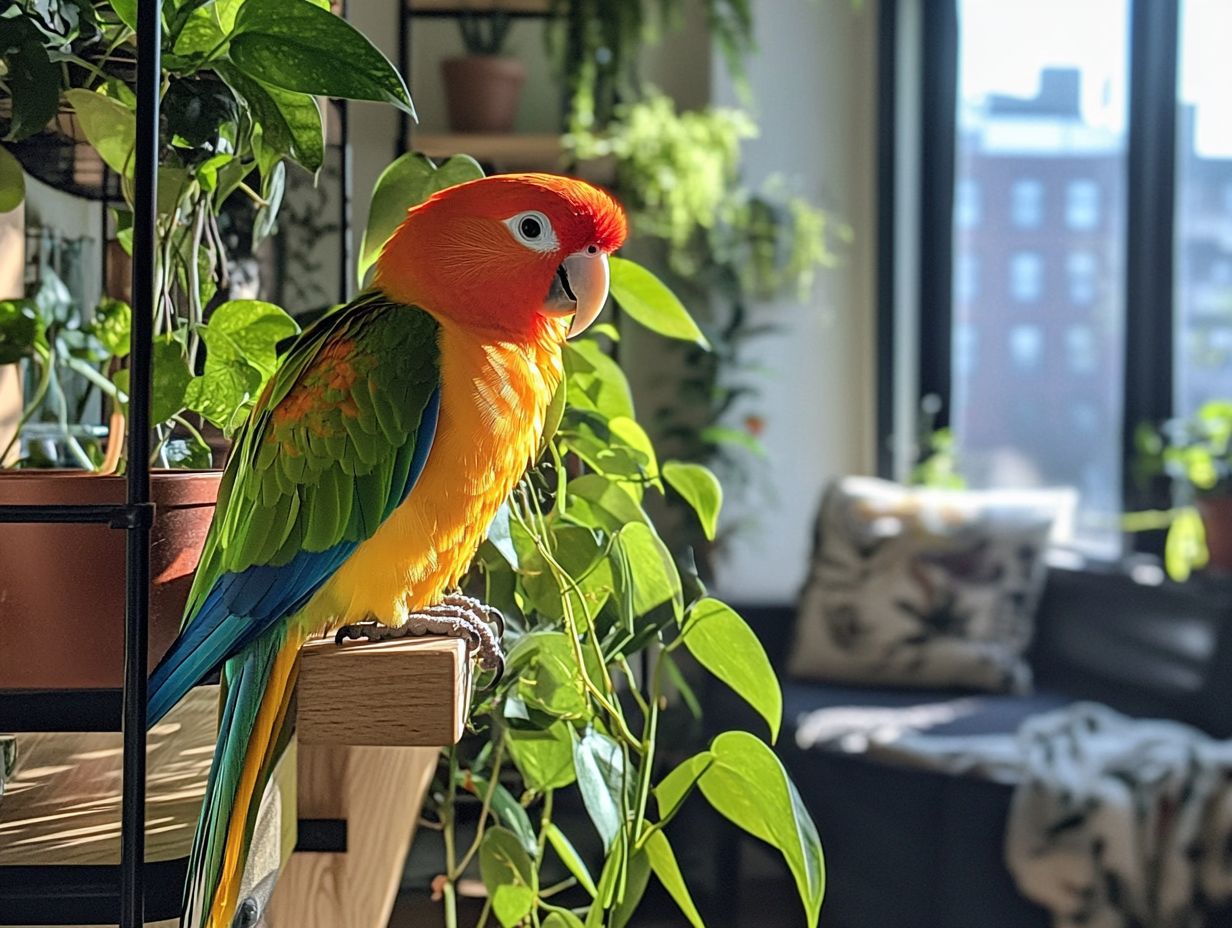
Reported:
(589, 590)
(239, 86)
(723, 244)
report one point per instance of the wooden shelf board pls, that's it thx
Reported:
(510, 149)
(512, 152)
(456, 7)
(62, 806)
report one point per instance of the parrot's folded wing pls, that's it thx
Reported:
(334, 446)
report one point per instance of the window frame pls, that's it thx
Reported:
(927, 290)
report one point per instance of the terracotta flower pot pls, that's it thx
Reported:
(62, 586)
(1216, 514)
(482, 92)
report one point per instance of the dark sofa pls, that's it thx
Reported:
(911, 848)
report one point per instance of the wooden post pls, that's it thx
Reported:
(377, 792)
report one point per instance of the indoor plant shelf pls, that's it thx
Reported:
(356, 776)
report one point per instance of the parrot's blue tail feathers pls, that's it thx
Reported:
(251, 731)
(202, 647)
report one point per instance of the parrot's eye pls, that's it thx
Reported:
(534, 230)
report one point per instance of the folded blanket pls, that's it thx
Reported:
(1114, 822)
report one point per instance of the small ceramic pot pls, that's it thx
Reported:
(482, 92)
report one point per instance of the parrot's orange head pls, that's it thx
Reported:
(512, 254)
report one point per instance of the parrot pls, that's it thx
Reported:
(370, 468)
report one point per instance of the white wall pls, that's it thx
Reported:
(814, 82)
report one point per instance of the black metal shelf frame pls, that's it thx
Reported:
(136, 515)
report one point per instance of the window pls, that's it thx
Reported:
(1203, 226)
(1082, 204)
(966, 349)
(1027, 203)
(967, 204)
(1081, 351)
(1041, 113)
(1081, 269)
(1026, 346)
(1026, 276)
(966, 278)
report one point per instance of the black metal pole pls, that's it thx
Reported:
(402, 143)
(1150, 166)
(346, 184)
(136, 644)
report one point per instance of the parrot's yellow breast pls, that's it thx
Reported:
(494, 398)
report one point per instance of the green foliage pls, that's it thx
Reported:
(648, 301)
(484, 33)
(409, 180)
(1194, 454)
(588, 587)
(936, 452)
(239, 86)
(47, 332)
(722, 244)
(12, 182)
(595, 46)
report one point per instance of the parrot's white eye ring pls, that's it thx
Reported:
(534, 230)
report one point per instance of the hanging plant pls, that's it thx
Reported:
(595, 45)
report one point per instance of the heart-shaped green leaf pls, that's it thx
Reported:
(109, 125)
(12, 181)
(249, 331)
(407, 182)
(663, 863)
(700, 488)
(290, 122)
(296, 45)
(650, 302)
(34, 86)
(724, 644)
(599, 764)
(544, 758)
(657, 579)
(747, 785)
(508, 875)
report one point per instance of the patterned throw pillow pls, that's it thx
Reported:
(923, 587)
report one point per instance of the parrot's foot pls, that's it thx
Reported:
(456, 616)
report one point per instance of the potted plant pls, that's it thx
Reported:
(483, 87)
(1195, 454)
(238, 105)
(590, 591)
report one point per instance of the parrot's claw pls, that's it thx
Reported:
(456, 616)
(478, 608)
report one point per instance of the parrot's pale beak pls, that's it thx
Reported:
(579, 289)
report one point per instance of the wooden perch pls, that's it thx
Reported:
(405, 692)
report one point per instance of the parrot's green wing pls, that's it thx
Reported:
(333, 446)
